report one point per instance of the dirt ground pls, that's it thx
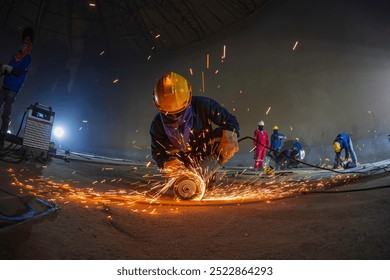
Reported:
(342, 225)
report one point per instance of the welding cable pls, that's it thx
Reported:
(304, 163)
(19, 129)
(31, 214)
(22, 217)
(11, 148)
(19, 159)
(346, 191)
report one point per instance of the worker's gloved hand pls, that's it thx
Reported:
(228, 146)
(5, 69)
(173, 166)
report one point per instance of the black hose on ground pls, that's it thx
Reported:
(11, 148)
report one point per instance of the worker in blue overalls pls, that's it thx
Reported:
(276, 145)
(343, 142)
(15, 73)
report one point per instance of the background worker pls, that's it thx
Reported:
(297, 153)
(343, 142)
(182, 134)
(261, 142)
(276, 145)
(15, 73)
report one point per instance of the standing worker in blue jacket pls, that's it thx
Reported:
(276, 145)
(15, 73)
(181, 133)
(343, 142)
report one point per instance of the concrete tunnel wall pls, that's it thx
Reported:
(336, 80)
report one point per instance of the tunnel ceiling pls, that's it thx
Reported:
(139, 27)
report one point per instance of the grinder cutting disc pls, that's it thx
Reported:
(185, 188)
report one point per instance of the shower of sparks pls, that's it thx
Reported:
(269, 108)
(233, 186)
(207, 61)
(102, 52)
(157, 36)
(296, 44)
(92, 4)
(192, 73)
(115, 81)
(149, 57)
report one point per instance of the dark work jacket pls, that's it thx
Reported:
(15, 81)
(346, 145)
(206, 112)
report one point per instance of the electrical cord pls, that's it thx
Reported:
(12, 148)
(31, 213)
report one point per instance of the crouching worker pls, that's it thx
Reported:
(295, 154)
(182, 135)
(344, 142)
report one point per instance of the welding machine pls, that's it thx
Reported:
(37, 132)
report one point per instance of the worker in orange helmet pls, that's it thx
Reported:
(261, 143)
(182, 134)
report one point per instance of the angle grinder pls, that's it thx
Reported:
(192, 186)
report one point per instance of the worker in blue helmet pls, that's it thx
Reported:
(343, 142)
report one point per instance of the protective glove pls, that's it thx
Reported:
(5, 69)
(228, 146)
(172, 166)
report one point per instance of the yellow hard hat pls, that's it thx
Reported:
(172, 93)
(336, 147)
(275, 127)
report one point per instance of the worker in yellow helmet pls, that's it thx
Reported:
(276, 145)
(343, 142)
(182, 133)
(295, 154)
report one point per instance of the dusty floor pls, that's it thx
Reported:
(98, 225)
